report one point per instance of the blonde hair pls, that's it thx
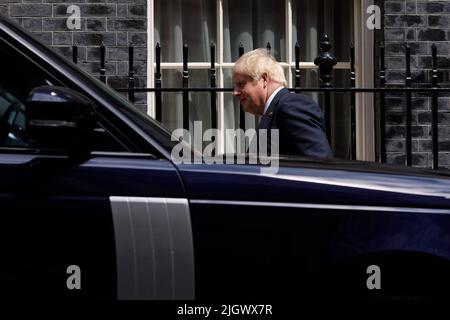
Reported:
(257, 62)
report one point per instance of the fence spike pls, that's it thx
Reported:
(185, 80)
(297, 66)
(102, 62)
(434, 63)
(213, 85)
(382, 112)
(75, 54)
(158, 84)
(352, 103)
(131, 80)
(435, 111)
(325, 61)
(408, 110)
(241, 49)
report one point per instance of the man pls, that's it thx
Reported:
(260, 85)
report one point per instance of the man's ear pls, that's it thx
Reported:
(266, 78)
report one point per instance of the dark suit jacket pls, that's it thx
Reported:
(300, 124)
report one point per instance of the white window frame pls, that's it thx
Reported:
(363, 65)
(364, 45)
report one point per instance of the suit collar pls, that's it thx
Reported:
(272, 96)
(267, 116)
(277, 98)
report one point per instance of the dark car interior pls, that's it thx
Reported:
(18, 77)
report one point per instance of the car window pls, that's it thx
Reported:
(12, 120)
(18, 76)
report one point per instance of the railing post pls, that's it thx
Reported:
(241, 110)
(185, 86)
(213, 87)
(352, 103)
(326, 61)
(102, 63)
(75, 54)
(382, 113)
(297, 67)
(241, 50)
(434, 111)
(408, 111)
(131, 73)
(158, 100)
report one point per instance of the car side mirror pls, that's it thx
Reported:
(59, 117)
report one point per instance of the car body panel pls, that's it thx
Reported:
(57, 215)
(327, 223)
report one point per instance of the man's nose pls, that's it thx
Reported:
(236, 92)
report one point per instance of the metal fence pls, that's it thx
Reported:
(325, 62)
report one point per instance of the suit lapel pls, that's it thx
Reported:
(268, 116)
(265, 120)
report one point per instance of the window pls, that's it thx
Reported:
(18, 77)
(252, 23)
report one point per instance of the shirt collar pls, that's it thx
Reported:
(272, 96)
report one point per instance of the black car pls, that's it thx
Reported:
(92, 206)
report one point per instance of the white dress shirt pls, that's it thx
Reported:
(271, 98)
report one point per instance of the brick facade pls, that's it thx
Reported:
(420, 24)
(118, 23)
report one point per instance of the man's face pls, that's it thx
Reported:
(251, 93)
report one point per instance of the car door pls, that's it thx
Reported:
(319, 229)
(115, 225)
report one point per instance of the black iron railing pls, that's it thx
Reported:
(325, 63)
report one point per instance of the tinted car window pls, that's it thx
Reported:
(12, 120)
(19, 75)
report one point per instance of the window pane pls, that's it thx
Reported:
(199, 102)
(313, 18)
(191, 22)
(309, 78)
(254, 23)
